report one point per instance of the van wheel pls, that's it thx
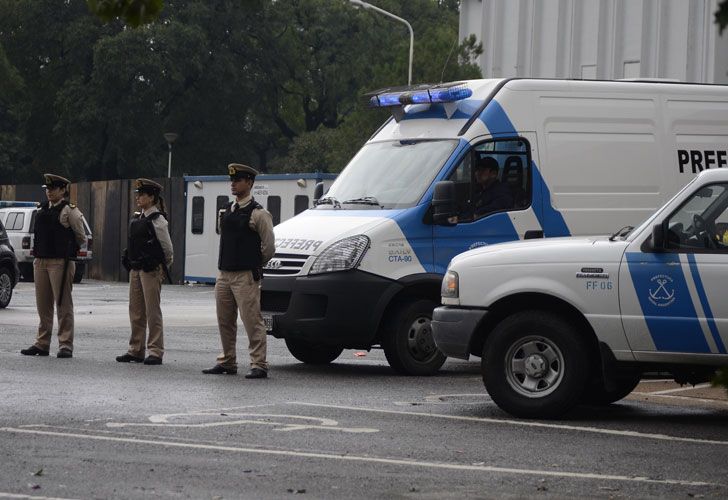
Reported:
(78, 273)
(535, 365)
(6, 287)
(26, 271)
(408, 342)
(623, 386)
(313, 353)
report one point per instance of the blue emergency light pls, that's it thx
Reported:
(11, 204)
(421, 95)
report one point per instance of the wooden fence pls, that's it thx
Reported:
(108, 205)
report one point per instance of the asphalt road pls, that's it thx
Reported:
(89, 427)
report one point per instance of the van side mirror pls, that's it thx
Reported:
(658, 237)
(318, 192)
(444, 203)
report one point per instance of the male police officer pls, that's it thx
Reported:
(247, 243)
(59, 232)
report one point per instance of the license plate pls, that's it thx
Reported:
(268, 321)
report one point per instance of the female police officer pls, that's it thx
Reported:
(147, 258)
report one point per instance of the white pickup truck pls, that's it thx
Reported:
(561, 321)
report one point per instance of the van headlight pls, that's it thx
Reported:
(341, 256)
(450, 288)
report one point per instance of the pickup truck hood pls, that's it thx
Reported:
(582, 250)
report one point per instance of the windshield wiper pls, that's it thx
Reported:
(366, 200)
(329, 200)
(621, 233)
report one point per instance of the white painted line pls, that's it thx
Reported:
(683, 398)
(370, 459)
(527, 423)
(30, 497)
(322, 423)
(680, 389)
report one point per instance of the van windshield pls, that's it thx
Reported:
(388, 175)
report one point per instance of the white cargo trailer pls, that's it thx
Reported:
(283, 195)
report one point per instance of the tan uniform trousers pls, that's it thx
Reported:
(145, 289)
(48, 274)
(237, 292)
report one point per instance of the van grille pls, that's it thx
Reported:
(284, 264)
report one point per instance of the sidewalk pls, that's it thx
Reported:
(669, 392)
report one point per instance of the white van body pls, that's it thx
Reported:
(579, 319)
(583, 158)
(284, 195)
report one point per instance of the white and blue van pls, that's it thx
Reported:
(363, 268)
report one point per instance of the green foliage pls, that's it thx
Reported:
(721, 15)
(721, 379)
(275, 83)
(132, 12)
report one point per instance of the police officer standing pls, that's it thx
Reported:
(148, 257)
(247, 243)
(59, 233)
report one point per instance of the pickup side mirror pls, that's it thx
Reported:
(444, 204)
(318, 192)
(658, 238)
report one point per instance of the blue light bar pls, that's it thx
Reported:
(450, 94)
(9, 204)
(421, 96)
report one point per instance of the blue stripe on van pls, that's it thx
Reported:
(706, 305)
(495, 118)
(666, 304)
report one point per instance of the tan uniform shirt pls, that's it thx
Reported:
(161, 228)
(261, 221)
(72, 217)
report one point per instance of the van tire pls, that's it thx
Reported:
(408, 342)
(623, 386)
(6, 287)
(313, 353)
(78, 273)
(535, 365)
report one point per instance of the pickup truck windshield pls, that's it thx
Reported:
(388, 175)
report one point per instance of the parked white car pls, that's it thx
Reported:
(18, 217)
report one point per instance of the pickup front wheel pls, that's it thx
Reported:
(535, 365)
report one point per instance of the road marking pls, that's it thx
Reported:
(682, 398)
(441, 399)
(323, 423)
(370, 459)
(679, 389)
(30, 497)
(525, 423)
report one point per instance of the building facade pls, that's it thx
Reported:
(598, 39)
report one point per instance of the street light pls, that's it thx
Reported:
(170, 137)
(389, 14)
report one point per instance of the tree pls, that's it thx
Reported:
(133, 12)
(721, 15)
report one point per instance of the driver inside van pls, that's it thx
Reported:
(491, 194)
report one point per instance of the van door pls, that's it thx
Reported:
(494, 190)
(674, 301)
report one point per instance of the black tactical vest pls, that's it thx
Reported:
(239, 245)
(52, 240)
(145, 251)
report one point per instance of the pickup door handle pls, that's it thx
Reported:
(533, 234)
